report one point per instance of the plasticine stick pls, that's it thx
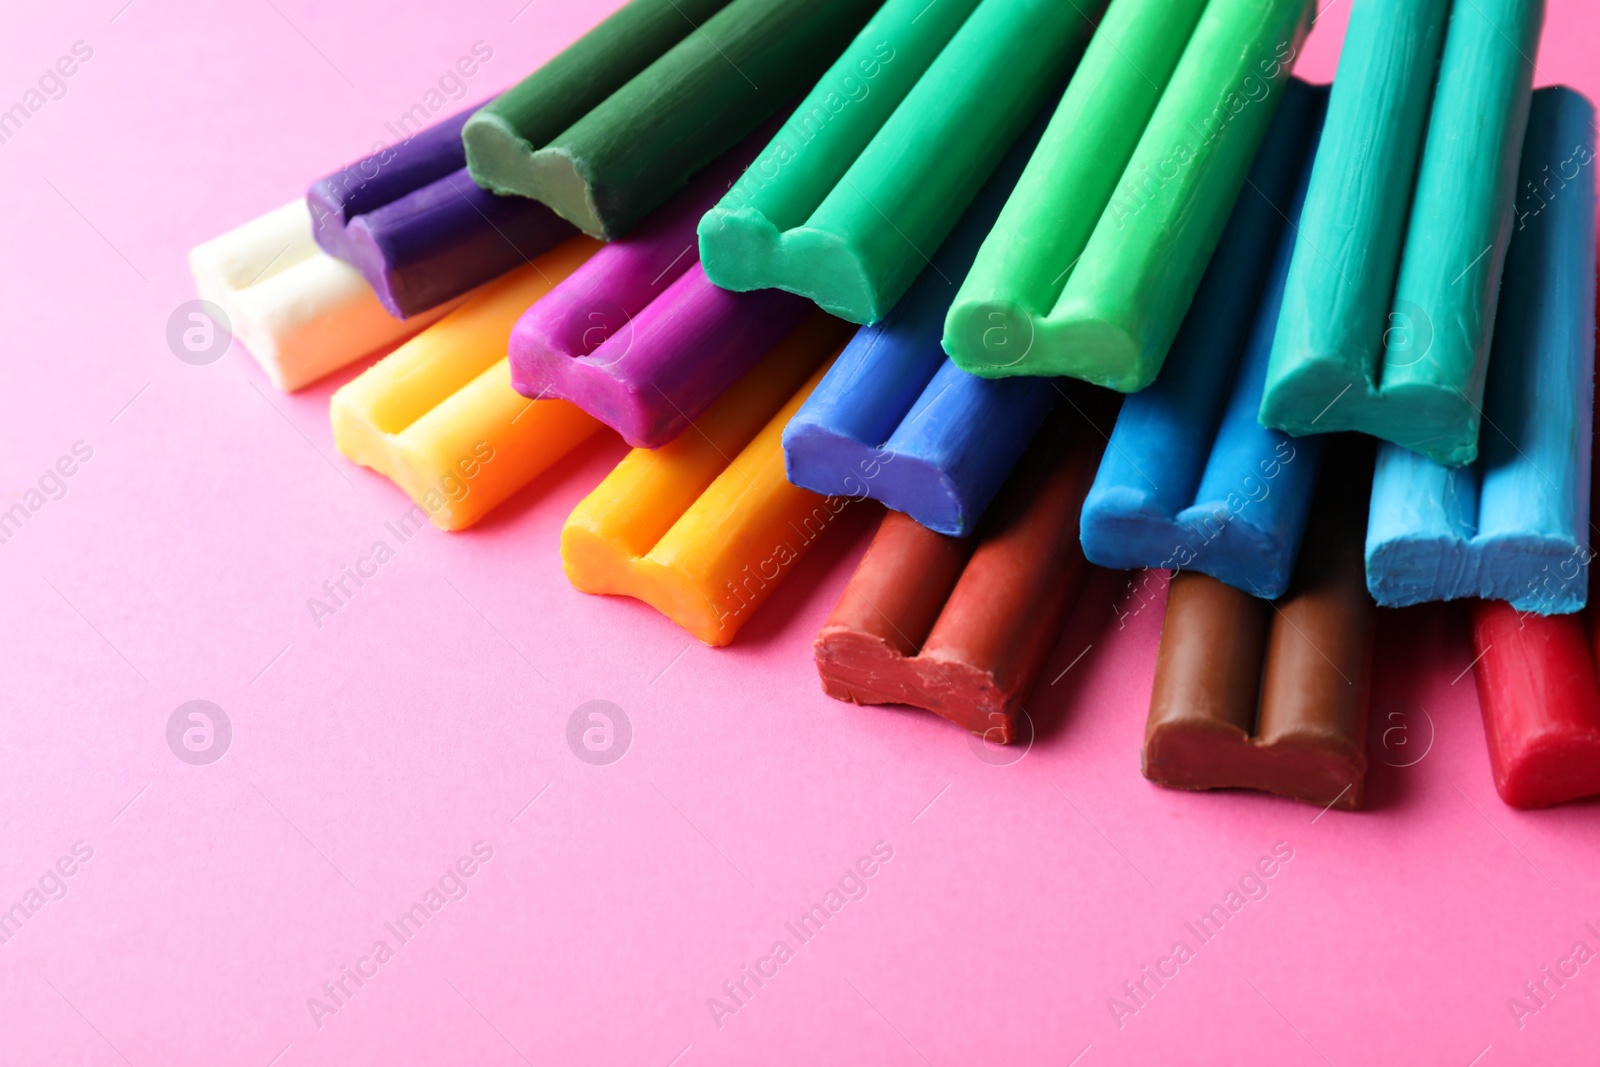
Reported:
(703, 538)
(1046, 224)
(860, 247)
(1428, 392)
(822, 139)
(963, 627)
(501, 137)
(631, 153)
(1541, 703)
(300, 312)
(896, 421)
(438, 416)
(1341, 284)
(1250, 695)
(410, 219)
(681, 353)
(638, 337)
(1514, 525)
(1126, 295)
(1190, 479)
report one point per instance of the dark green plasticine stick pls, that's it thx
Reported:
(626, 157)
(1128, 292)
(1023, 266)
(1435, 336)
(502, 137)
(851, 218)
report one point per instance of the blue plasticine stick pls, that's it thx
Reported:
(1246, 492)
(959, 444)
(1515, 525)
(1190, 479)
(896, 421)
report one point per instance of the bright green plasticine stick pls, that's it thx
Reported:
(1129, 291)
(632, 152)
(1023, 265)
(1428, 391)
(740, 237)
(1341, 281)
(874, 230)
(502, 137)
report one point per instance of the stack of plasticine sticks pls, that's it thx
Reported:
(1058, 286)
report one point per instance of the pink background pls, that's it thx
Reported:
(369, 754)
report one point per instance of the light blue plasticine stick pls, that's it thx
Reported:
(1515, 525)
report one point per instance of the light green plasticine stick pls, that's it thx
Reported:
(853, 237)
(1435, 335)
(1130, 289)
(1023, 265)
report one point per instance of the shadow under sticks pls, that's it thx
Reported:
(1083, 642)
(812, 589)
(585, 467)
(1411, 708)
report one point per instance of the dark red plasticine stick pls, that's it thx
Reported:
(963, 626)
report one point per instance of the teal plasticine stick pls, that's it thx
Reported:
(1427, 392)
(1341, 280)
(502, 136)
(1461, 221)
(1001, 313)
(1127, 295)
(631, 153)
(874, 230)
(741, 236)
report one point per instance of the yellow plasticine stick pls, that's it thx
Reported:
(438, 416)
(701, 539)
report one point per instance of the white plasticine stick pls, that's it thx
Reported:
(300, 312)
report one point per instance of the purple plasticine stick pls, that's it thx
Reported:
(419, 229)
(369, 183)
(638, 336)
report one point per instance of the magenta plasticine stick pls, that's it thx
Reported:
(649, 380)
(596, 303)
(638, 336)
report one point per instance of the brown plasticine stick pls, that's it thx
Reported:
(1251, 694)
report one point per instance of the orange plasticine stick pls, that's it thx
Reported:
(701, 539)
(438, 416)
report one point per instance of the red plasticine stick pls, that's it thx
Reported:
(1541, 703)
(1540, 695)
(963, 626)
